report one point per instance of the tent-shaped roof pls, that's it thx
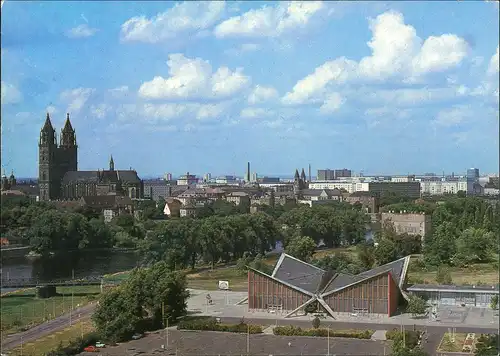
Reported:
(312, 279)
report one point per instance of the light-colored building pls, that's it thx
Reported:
(226, 180)
(402, 179)
(409, 223)
(278, 187)
(322, 194)
(238, 198)
(446, 187)
(187, 211)
(172, 207)
(187, 179)
(348, 186)
(254, 177)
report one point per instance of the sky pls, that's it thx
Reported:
(377, 87)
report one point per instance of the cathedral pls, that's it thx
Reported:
(60, 179)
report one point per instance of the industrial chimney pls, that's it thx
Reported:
(248, 172)
(310, 180)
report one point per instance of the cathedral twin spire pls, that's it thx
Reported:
(68, 135)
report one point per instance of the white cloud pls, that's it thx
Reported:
(453, 116)
(410, 96)
(185, 18)
(256, 113)
(100, 111)
(51, 110)
(270, 21)
(210, 111)
(332, 103)
(10, 94)
(119, 92)
(261, 94)
(76, 98)
(494, 64)
(193, 78)
(81, 31)
(397, 51)
(243, 48)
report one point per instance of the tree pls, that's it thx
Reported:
(366, 256)
(443, 275)
(301, 247)
(316, 322)
(385, 251)
(416, 305)
(487, 345)
(474, 245)
(494, 302)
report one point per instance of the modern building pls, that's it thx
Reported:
(478, 296)
(409, 223)
(295, 284)
(226, 180)
(441, 187)
(473, 174)
(407, 189)
(332, 174)
(156, 189)
(187, 179)
(168, 177)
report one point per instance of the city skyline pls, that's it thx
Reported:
(196, 87)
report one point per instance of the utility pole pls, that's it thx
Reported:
(248, 340)
(72, 296)
(328, 338)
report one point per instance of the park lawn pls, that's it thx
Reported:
(209, 279)
(22, 310)
(486, 273)
(447, 345)
(51, 342)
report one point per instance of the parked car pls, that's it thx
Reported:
(136, 336)
(91, 349)
(100, 345)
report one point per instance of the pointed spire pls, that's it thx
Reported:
(48, 124)
(303, 175)
(67, 125)
(297, 174)
(111, 164)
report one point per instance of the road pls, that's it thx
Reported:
(435, 332)
(12, 341)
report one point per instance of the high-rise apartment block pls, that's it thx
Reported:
(332, 174)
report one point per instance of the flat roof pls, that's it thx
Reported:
(450, 288)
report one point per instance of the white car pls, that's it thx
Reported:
(100, 345)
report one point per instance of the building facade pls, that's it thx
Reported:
(59, 178)
(476, 296)
(294, 285)
(409, 223)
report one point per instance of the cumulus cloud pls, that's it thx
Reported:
(100, 111)
(453, 116)
(270, 21)
(397, 51)
(332, 103)
(76, 98)
(185, 18)
(119, 92)
(256, 113)
(81, 31)
(261, 94)
(494, 64)
(10, 94)
(194, 79)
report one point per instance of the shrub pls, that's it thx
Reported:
(291, 330)
(75, 346)
(316, 323)
(411, 337)
(211, 324)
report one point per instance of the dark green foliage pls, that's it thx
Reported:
(316, 323)
(141, 303)
(301, 247)
(416, 305)
(339, 262)
(487, 345)
(443, 275)
(410, 337)
(211, 324)
(291, 330)
(256, 262)
(75, 346)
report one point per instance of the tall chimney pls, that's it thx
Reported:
(248, 172)
(310, 180)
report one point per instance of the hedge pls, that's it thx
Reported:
(411, 337)
(75, 346)
(211, 324)
(291, 330)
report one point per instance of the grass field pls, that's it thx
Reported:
(477, 274)
(22, 310)
(51, 342)
(449, 345)
(208, 279)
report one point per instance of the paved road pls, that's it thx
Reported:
(435, 332)
(14, 340)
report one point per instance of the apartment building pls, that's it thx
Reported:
(409, 223)
(440, 187)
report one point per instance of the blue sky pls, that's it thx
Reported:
(203, 87)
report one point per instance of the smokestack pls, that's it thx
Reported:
(248, 172)
(310, 180)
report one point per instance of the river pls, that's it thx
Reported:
(82, 263)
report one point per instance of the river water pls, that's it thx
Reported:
(82, 263)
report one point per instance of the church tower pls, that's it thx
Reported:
(68, 149)
(111, 164)
(47, 162)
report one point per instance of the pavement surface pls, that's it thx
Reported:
(10, 342)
